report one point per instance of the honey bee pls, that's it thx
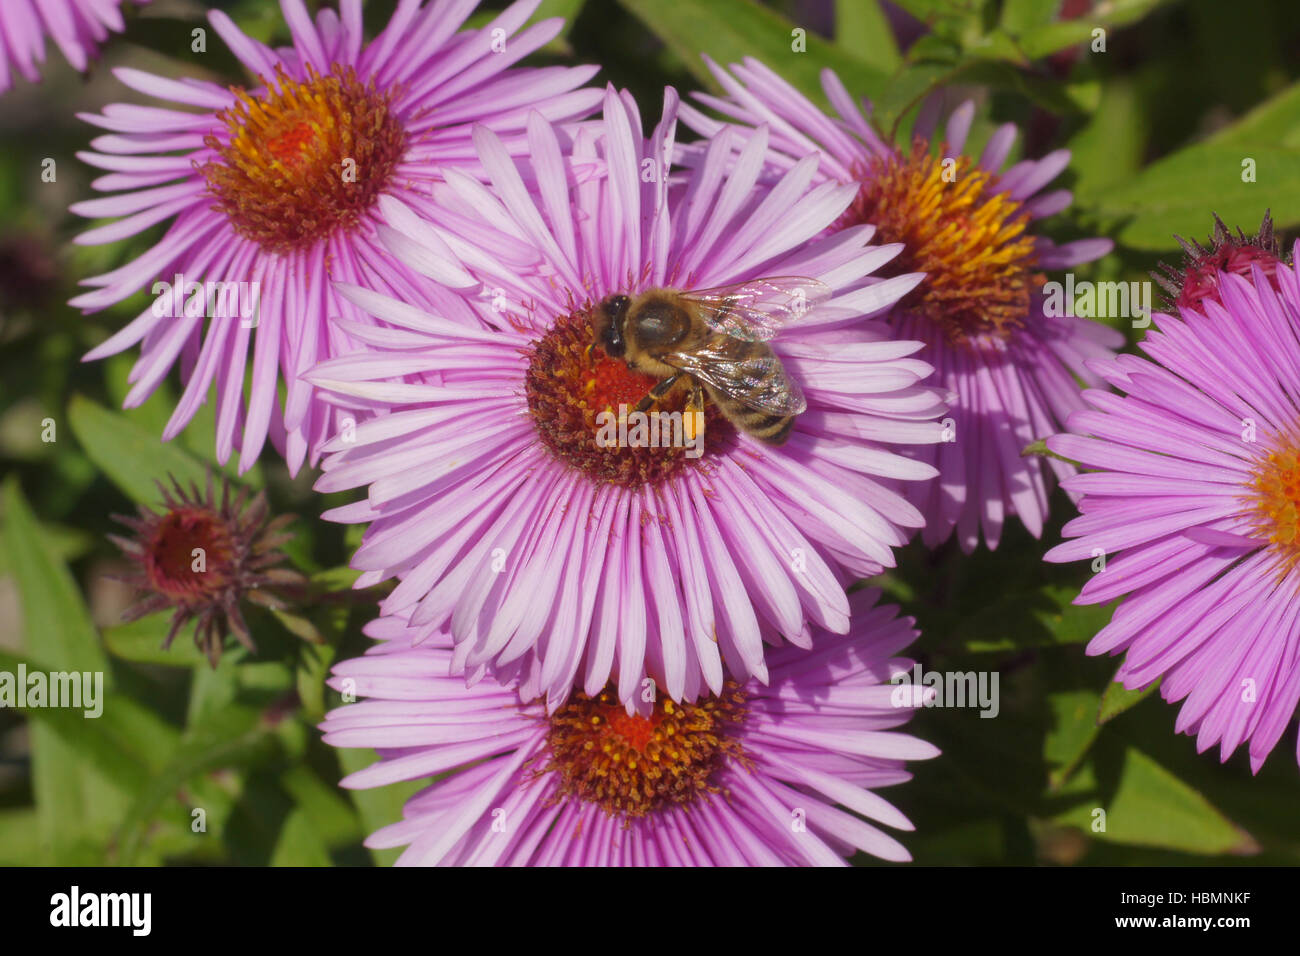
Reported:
(714, 341)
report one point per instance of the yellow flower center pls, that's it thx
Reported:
(957, 227)
(1276, 502)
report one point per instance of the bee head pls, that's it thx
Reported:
(607, 325)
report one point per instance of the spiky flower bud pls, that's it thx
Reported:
(1197, 278)
(204, 558)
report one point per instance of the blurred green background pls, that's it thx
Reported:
(1159, 124)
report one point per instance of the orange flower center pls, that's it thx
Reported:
(575, 393)
(957, 227)
(1276, 502)
(304, 158)
(633, 765)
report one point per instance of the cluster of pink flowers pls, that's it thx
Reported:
(648, 652)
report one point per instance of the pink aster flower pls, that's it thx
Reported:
(775, 774)
(270, 192)
(1010, 360)
(491, 492)
(1191, 513)
(77, 27)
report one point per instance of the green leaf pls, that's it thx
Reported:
(141, 641)
(235, 736)
(313, 669)
(994, 45)
(299, 626)
(72, 801)
(58, 626)
(1073, 623)
(334, 818)
(1108, 149)
(1176, 195)
(1059, 620)
(153, 413)
(862, 30)
(213, 688)
(569, 9)
(1117, 698)
(299, 843)
(65, 543)
(1073, 731)
(377, 806)
(1151, 807)
(730, 30)
(20, 843)
(907, 89)
(340, 578)
(1276, 121)
(130, 456)
(1048, 38)
(96, 741)
(1020, 16)
(100, 759)
(74, 796)
(930, 10)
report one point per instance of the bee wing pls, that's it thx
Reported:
(757, 309)
(756, 381)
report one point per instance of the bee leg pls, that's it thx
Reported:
(693, 417)
(658, 392)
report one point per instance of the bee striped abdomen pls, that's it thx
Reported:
(762, 370)
(772, 429)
